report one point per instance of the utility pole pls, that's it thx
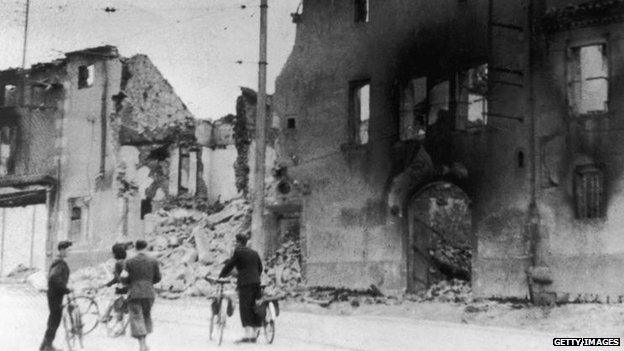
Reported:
(23, 90)
(25, 35)
(257, 219)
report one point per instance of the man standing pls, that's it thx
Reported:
(58, 277)
(142, 273)
(249, 267)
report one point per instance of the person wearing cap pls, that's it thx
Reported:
(58, 276)
(143, 272)
(249, 267)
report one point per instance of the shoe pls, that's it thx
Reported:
(244, 340)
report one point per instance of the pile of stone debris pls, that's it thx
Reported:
(192, 245)
(454, 290)
(283, 276)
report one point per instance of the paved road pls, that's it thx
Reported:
(182, 325)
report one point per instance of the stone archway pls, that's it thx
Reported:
(438, 235)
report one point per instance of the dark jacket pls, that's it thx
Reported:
(248, 264)
(143, 273)
(116, 274)
(58, 277)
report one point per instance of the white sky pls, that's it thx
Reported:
(194, 43)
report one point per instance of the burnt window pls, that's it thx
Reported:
(588, 79)
(86, 75)
(8, 136)
(471, 99)
(290, 123)
(359, 100)
(413, 111)
(361, 10)
(423, 100)
(146, 207)
(589, 192)
(9, 95)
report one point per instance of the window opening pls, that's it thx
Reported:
(361, 11)
(413, 108)
(10, 95)
(290, 123)
(588, 85)
(75, 226)
(7, 149)
(520, 159)
(146, 207)
(185, 165)
(360, 110)
(85, 76)
(438, 100)
(589, 192)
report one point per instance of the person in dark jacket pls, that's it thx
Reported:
(58, 276)
(119, 253)
(249, 267)
(143, 273)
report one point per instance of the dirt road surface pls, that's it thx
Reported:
(182, 326)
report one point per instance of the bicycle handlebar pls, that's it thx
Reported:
(218, 280)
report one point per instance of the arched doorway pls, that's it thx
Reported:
(439, 235)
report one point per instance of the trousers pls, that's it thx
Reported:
(55, 305)
(140, 317)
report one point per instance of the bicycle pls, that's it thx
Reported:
(80, 317)
(116, 317)
(268, 308)
(221, 307)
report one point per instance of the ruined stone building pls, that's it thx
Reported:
(458, 138)
(90, 145)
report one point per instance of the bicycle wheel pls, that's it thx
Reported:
(89, 313)
(269, 323)
(222, 319)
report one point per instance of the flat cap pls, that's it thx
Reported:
(64, 244)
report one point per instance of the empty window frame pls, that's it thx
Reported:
(290, 123)
(78, 214)
(184, 175)
(8, 137)
(9, 95)
(422, 104)
(413, 111)
(86, 75)
(471, 97)
(588, 79)
(359, 100)
(361, 8)
(589, 192)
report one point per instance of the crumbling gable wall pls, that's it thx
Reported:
(148, 107)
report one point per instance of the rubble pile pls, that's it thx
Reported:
(283, 270)
(455, 290)
(452, 260)
(21, 272)
(191, 245)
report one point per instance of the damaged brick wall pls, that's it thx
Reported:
(244, 125)
(148, 107)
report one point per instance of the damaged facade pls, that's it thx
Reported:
(489, 126)
(90, 144)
